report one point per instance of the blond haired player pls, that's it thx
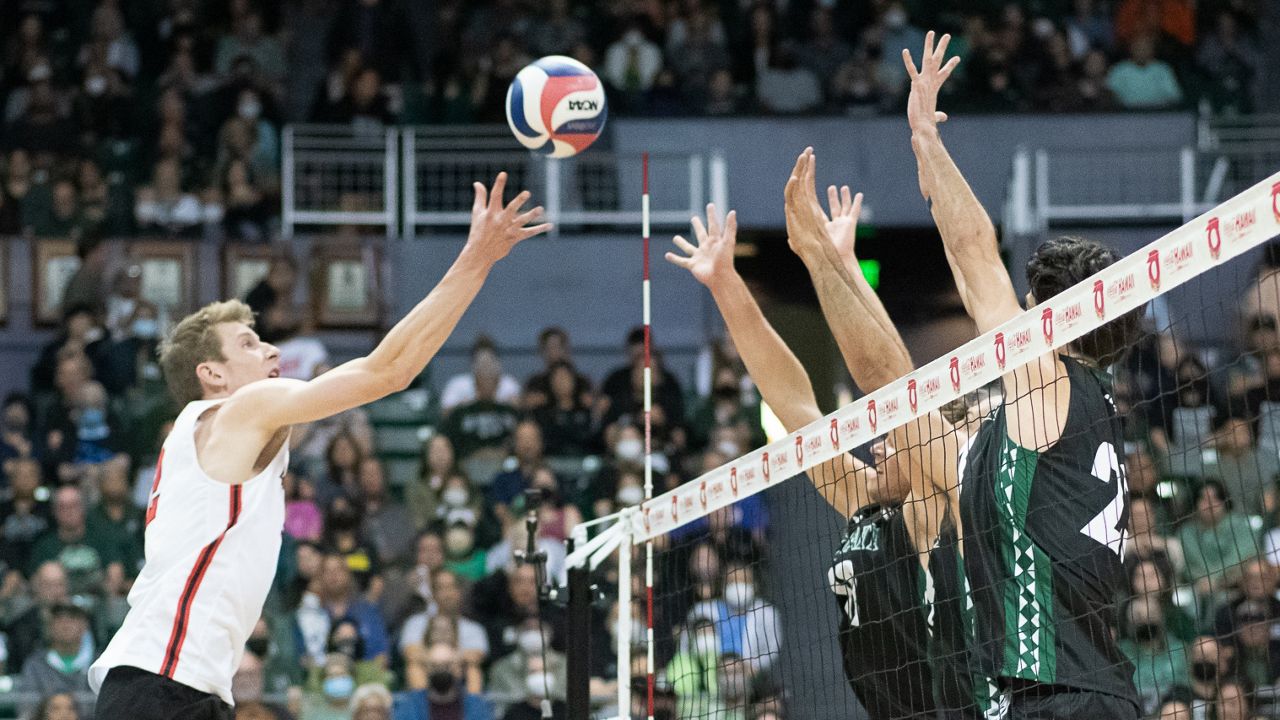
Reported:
(216, 509)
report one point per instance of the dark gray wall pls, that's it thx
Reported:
(874, 155)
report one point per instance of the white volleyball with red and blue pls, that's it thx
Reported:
(556, 106)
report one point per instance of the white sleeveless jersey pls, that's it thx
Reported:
(211, 553)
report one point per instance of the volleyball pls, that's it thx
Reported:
(556, 106)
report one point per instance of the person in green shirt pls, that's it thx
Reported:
(85, 556)
(692, 671)
(1215, 541)
(115, 521)
(1142, 81)
(1159, 658)
(461, 554)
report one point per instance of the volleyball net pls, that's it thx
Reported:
(751, 617)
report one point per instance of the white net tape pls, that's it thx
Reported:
(1234, 227)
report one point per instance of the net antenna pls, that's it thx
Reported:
(1236, 226)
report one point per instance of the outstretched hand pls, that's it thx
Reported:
(711, 260)
(806, 222)
(495, 227)
(842, 227)
(922, 103)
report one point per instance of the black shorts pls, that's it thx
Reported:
(1047, 702)
(128, 693)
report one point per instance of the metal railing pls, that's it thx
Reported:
(332, 175)
(1055, 186)
(409, 179)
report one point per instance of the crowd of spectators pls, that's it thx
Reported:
(165, 117)
(413, 588)
(1202, 446)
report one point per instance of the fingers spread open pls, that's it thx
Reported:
(495, 196)
(678, 260)
(731, 224)
(684, 245)
(833, 200)
(713, 220)
(518, 201)
(699, 230)
(912, 72)
(479, 202)
(928, 48)
(947, 69)
(526, 233)
(941, 52)
(846, 203)
(857, 205)
(527, 217)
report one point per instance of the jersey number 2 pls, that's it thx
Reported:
(844, 582)
(1106, 527)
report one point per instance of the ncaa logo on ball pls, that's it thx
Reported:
(556, 106)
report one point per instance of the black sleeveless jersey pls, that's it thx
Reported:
(962, 691)
(1043, 541)
(878, 581)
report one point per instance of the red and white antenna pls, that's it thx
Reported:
(648, 448)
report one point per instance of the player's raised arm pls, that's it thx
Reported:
(1038, 402)
(775, 369)
(872, 347)
(405, 350)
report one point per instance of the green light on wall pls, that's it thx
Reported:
(871, 271)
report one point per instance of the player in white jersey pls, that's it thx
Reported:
(216, 508)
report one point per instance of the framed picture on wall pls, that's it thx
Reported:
(53, 263)
(345, 291)
(167, 267)
(242, 268)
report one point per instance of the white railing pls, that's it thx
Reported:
(1060, 186)
(412, 179)
(332, 175)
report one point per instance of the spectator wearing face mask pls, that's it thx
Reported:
(745, 623)
(1160, 660)
(347, 638)
(460, 551)
(445, 696)
(331, 698)
(1209, 664)
(509, 674)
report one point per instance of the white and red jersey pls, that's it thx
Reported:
(211, 553)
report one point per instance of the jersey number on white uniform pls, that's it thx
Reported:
(1105, 527)
(844, 582)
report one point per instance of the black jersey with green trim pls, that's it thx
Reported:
(877, 578)
(960, 688)
(1043, 542)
